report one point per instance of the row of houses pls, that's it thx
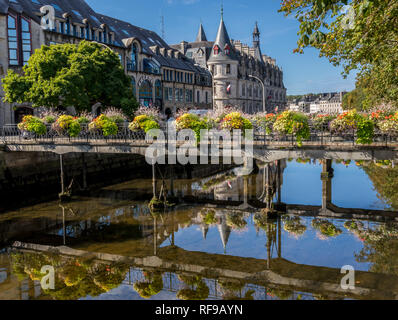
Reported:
(161, 76)
(326, 103)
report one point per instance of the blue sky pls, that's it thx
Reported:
(305, 73)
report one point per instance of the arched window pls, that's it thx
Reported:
(226, 49)
(216, 50)
(158, 89)
(133, 84)
(146, 93)
(134, 58)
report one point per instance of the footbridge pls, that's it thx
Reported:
(279, 272)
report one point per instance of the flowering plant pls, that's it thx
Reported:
(293, 123)
(193, 122)
(104, 124)
(326, 228)
(67, 125)
(32, 124)
(144, 123)
(294, 226)
(49, 116)
(236, 121)
(266, 121)
(389, 125)
(322, 121)
(152, 113)
(351, 122)
(115, 115)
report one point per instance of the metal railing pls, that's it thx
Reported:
(12, 134)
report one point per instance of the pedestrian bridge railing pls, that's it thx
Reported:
(12, 134)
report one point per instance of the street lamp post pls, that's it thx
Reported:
(264, 98)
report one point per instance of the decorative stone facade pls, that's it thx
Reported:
(233, 66)
(157, 71)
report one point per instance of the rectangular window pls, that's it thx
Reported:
(198, 96)
(177, 94)
(166, 94)
(228, 69)
(170, 94)
(207, 97)
(12, 41)
(62, 27)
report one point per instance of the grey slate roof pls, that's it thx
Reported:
(79, 10)
(3, 6)
(201, 35)
(222, 40)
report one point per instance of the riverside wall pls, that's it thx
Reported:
(33, 177)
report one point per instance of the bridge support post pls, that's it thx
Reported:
(154, 179)
(278, 180)
(84, 172)
(326, 177)
(245, 189)
(171, 172)
(61, 164)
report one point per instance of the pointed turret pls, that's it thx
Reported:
(256, 44)
(205, 229)
(225, 232)
(201, 34)
(222, 48)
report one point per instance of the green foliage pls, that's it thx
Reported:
(365, 131)
(66, 75)
(145, 123)
(67, 125)
(326, 228)
(293, 123)
(33, 124)
(193, 122)
(322, 121)
(105, 125)
(365, 38)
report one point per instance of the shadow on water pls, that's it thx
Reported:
(220, 242)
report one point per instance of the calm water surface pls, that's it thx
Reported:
(108, 247)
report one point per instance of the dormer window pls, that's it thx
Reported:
(216, 50)
(226, 49)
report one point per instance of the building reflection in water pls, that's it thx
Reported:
(133, 232)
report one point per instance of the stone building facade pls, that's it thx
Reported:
(161, 76)
(233, 66)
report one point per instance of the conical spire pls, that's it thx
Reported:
(256, 43)
(201, 34)
(205, 229)
(225, 232)
(222, 48)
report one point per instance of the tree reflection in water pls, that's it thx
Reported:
(380, 246)
(194, 288)
(74, 278)
(385, 181)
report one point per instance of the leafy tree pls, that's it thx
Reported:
(363, 36)
(63, 75)
(355, 99)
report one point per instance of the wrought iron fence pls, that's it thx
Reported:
(12, 134)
